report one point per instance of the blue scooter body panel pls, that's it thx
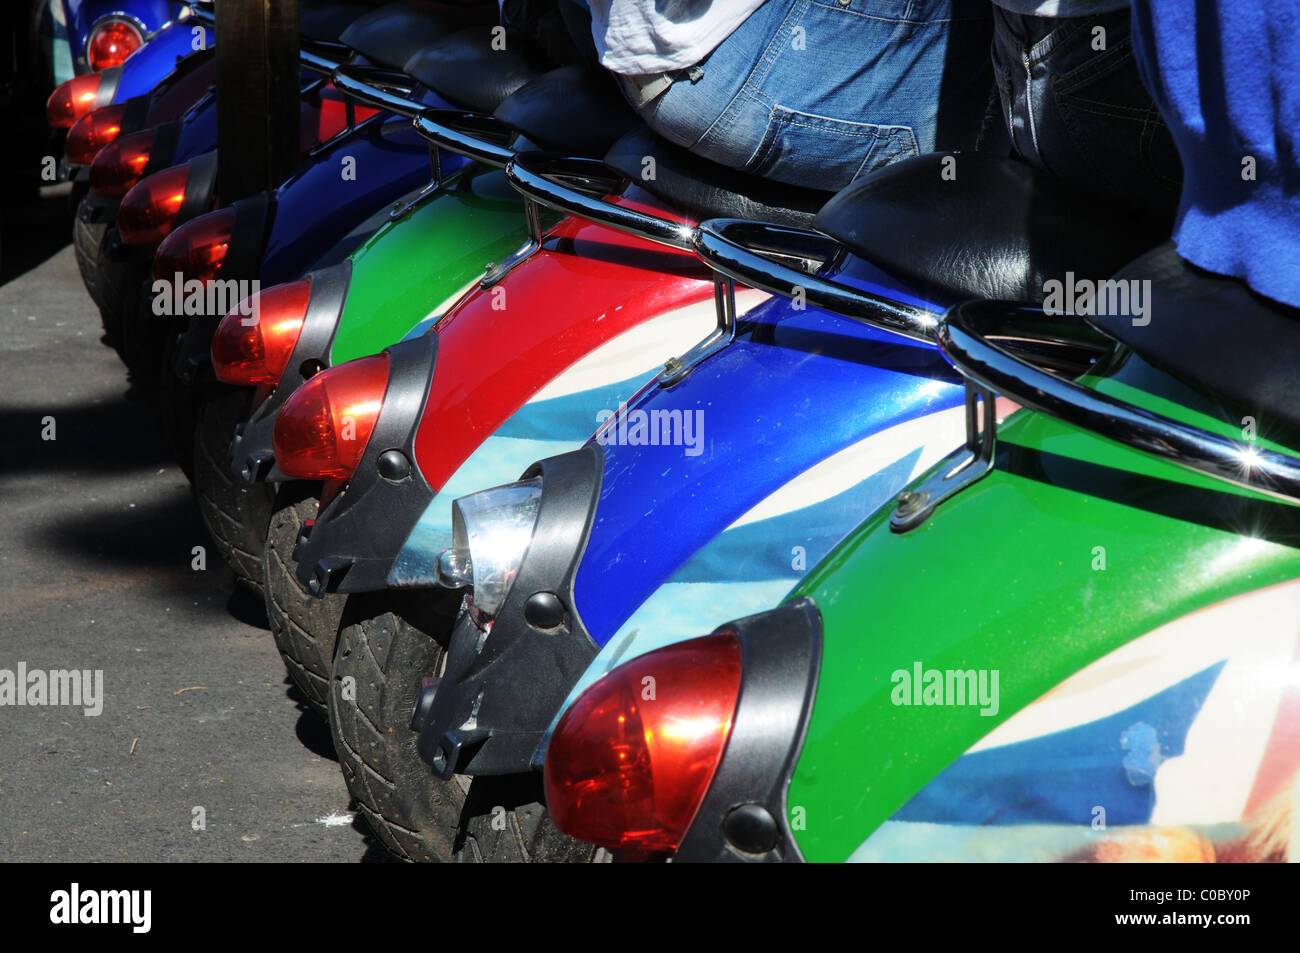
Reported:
(148, 66)
(199, 126)
(198, 130)
(795, 388)
(317, 206)
(810, 423)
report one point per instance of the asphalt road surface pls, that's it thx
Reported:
(97, 528)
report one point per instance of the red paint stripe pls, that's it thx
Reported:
(1281, 757)
(497, 347)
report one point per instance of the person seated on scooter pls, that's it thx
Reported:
(1074, 104)
(1226, 75)
(805, 93)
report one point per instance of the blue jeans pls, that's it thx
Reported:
(1082, 114)
(819, 92)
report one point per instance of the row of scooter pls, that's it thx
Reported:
(611, 504)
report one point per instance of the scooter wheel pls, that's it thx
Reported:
(145, 335)
(305, 628)
(88, 244)
(236, 513)
(386, 643)
(505, 821)
(175, 406)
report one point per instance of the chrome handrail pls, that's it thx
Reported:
(535, 174)
(384, 89)
(963, 341)
(463, 133)
(741, 250)
(203, 11)
(322, 56)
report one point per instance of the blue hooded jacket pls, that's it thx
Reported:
(1226, 76)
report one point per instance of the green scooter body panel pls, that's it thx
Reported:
(410, 268)
(1071, 547)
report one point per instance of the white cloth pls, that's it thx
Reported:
(635, 37)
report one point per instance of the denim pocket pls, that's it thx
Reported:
(798, 146)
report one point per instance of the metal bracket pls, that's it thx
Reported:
(724, 299)
(495, 271)
(404, 207)
(958, 470)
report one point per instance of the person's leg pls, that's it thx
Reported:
(1075, 106)
(811, 92)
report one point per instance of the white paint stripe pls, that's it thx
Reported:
(642, 348)
(1260, 621)
(935, 434)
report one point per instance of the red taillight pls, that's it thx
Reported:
(72, 99)
(111, 42)
(252, 346)
(92, 132)
(148, 211)
(632, 758)
(195, 249)
(120, 164)
(322, 430)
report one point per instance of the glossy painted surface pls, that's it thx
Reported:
(147, 66)
(190, 82)
(556, 418)
(1071, 549)
(316, 207)
(198, 130)
(501, 345)
(1182, 745)
(800, 386)
(411, 268)
(199, 126)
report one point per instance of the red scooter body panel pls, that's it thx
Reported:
(500, 345)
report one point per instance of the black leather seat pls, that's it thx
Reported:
(573, 109)
(465, 70)
(323, 20)
(1218, 334)
(999, 229)
(392, 34)
(708, 190)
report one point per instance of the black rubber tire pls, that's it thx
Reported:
(505, 822)
(175, 406)
(88, 244)
(305, 628)
(236, 513)
(387, 642)
(145, 335)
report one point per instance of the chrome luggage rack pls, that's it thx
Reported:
(576, 185)
(485, 139)
(390, 91)
(964, 339)
(784, 260)
(380, 88)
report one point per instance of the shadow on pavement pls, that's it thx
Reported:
(33, 228)
(116, 437)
